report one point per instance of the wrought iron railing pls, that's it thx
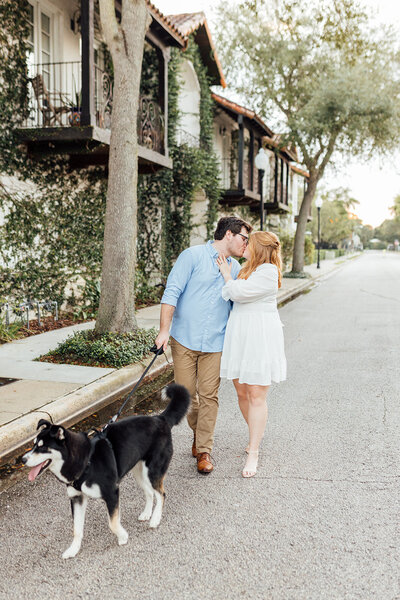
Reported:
(230, 175)
(150, 124)
(55, 95)
(55, 101)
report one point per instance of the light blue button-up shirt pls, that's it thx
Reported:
(194, 288)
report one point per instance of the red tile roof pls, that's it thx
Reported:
(299, 171)
(270, 139)
(275, 142)
(241, 110)
(167, 23)
(187, 23)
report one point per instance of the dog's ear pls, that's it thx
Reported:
(43, 423)
(59, 433)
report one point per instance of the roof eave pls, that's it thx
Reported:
(269, 141)
(300, 171)
(236, 109)
(176, 38)
(220, 75)
(202, 36)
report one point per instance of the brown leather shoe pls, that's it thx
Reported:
(204, 464)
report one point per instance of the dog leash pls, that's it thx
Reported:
(157, 352)
(100, 433)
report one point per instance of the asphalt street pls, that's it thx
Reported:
(320, 519)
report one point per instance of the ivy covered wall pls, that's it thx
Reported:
(165, 198)
(52, 218)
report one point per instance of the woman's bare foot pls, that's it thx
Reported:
(250, 468)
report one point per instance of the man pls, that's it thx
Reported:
(192, 301)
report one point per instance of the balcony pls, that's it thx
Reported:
(240, 185)
(277, 201)
(240, 178)
(57, 121)
(239, 138)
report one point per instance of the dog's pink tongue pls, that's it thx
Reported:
(34, 472)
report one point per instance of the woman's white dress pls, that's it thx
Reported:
(253, 346)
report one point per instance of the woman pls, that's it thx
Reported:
(253, 354)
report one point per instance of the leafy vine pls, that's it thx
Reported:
(165, 198)
(51, 230)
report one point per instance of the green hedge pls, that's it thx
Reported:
(338, 252)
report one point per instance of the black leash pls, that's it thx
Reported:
(157, 352)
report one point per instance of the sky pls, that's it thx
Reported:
(373, 184)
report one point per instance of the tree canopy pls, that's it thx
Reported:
(324, 77)
(395, 209)
(388, 231)
(338, 222)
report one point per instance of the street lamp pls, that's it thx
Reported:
(262, 162)
(318, 204)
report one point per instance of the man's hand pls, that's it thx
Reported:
(162, 340)
(166, 315)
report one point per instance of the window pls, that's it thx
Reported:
(40, 38)
(45, 48)
(31, 36)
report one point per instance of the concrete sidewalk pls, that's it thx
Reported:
(69, 393)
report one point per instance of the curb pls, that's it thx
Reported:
(77, 405)
(292, 294)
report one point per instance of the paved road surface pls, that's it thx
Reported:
(318, 521)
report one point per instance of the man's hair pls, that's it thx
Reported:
(233, 224)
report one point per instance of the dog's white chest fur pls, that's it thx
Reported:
(93, 491)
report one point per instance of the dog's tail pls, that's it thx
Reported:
(179, 403)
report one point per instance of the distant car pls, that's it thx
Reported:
(390, 247)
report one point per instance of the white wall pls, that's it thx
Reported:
(199, 215)
(189, 106)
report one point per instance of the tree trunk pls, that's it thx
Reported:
(125, 42)
(298, 250)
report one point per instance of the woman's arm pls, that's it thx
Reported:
(260, 284)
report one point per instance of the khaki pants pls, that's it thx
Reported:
(199, 373)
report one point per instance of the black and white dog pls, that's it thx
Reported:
(93, 467)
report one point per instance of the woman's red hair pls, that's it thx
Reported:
(264, 247)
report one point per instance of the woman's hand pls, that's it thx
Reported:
(224, 267)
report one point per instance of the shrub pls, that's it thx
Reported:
(287, 243)
(112, 350)
(308, 251)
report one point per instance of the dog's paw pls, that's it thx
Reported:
(145, 515)
(123, 537)
(71, 551)
(154, 522)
